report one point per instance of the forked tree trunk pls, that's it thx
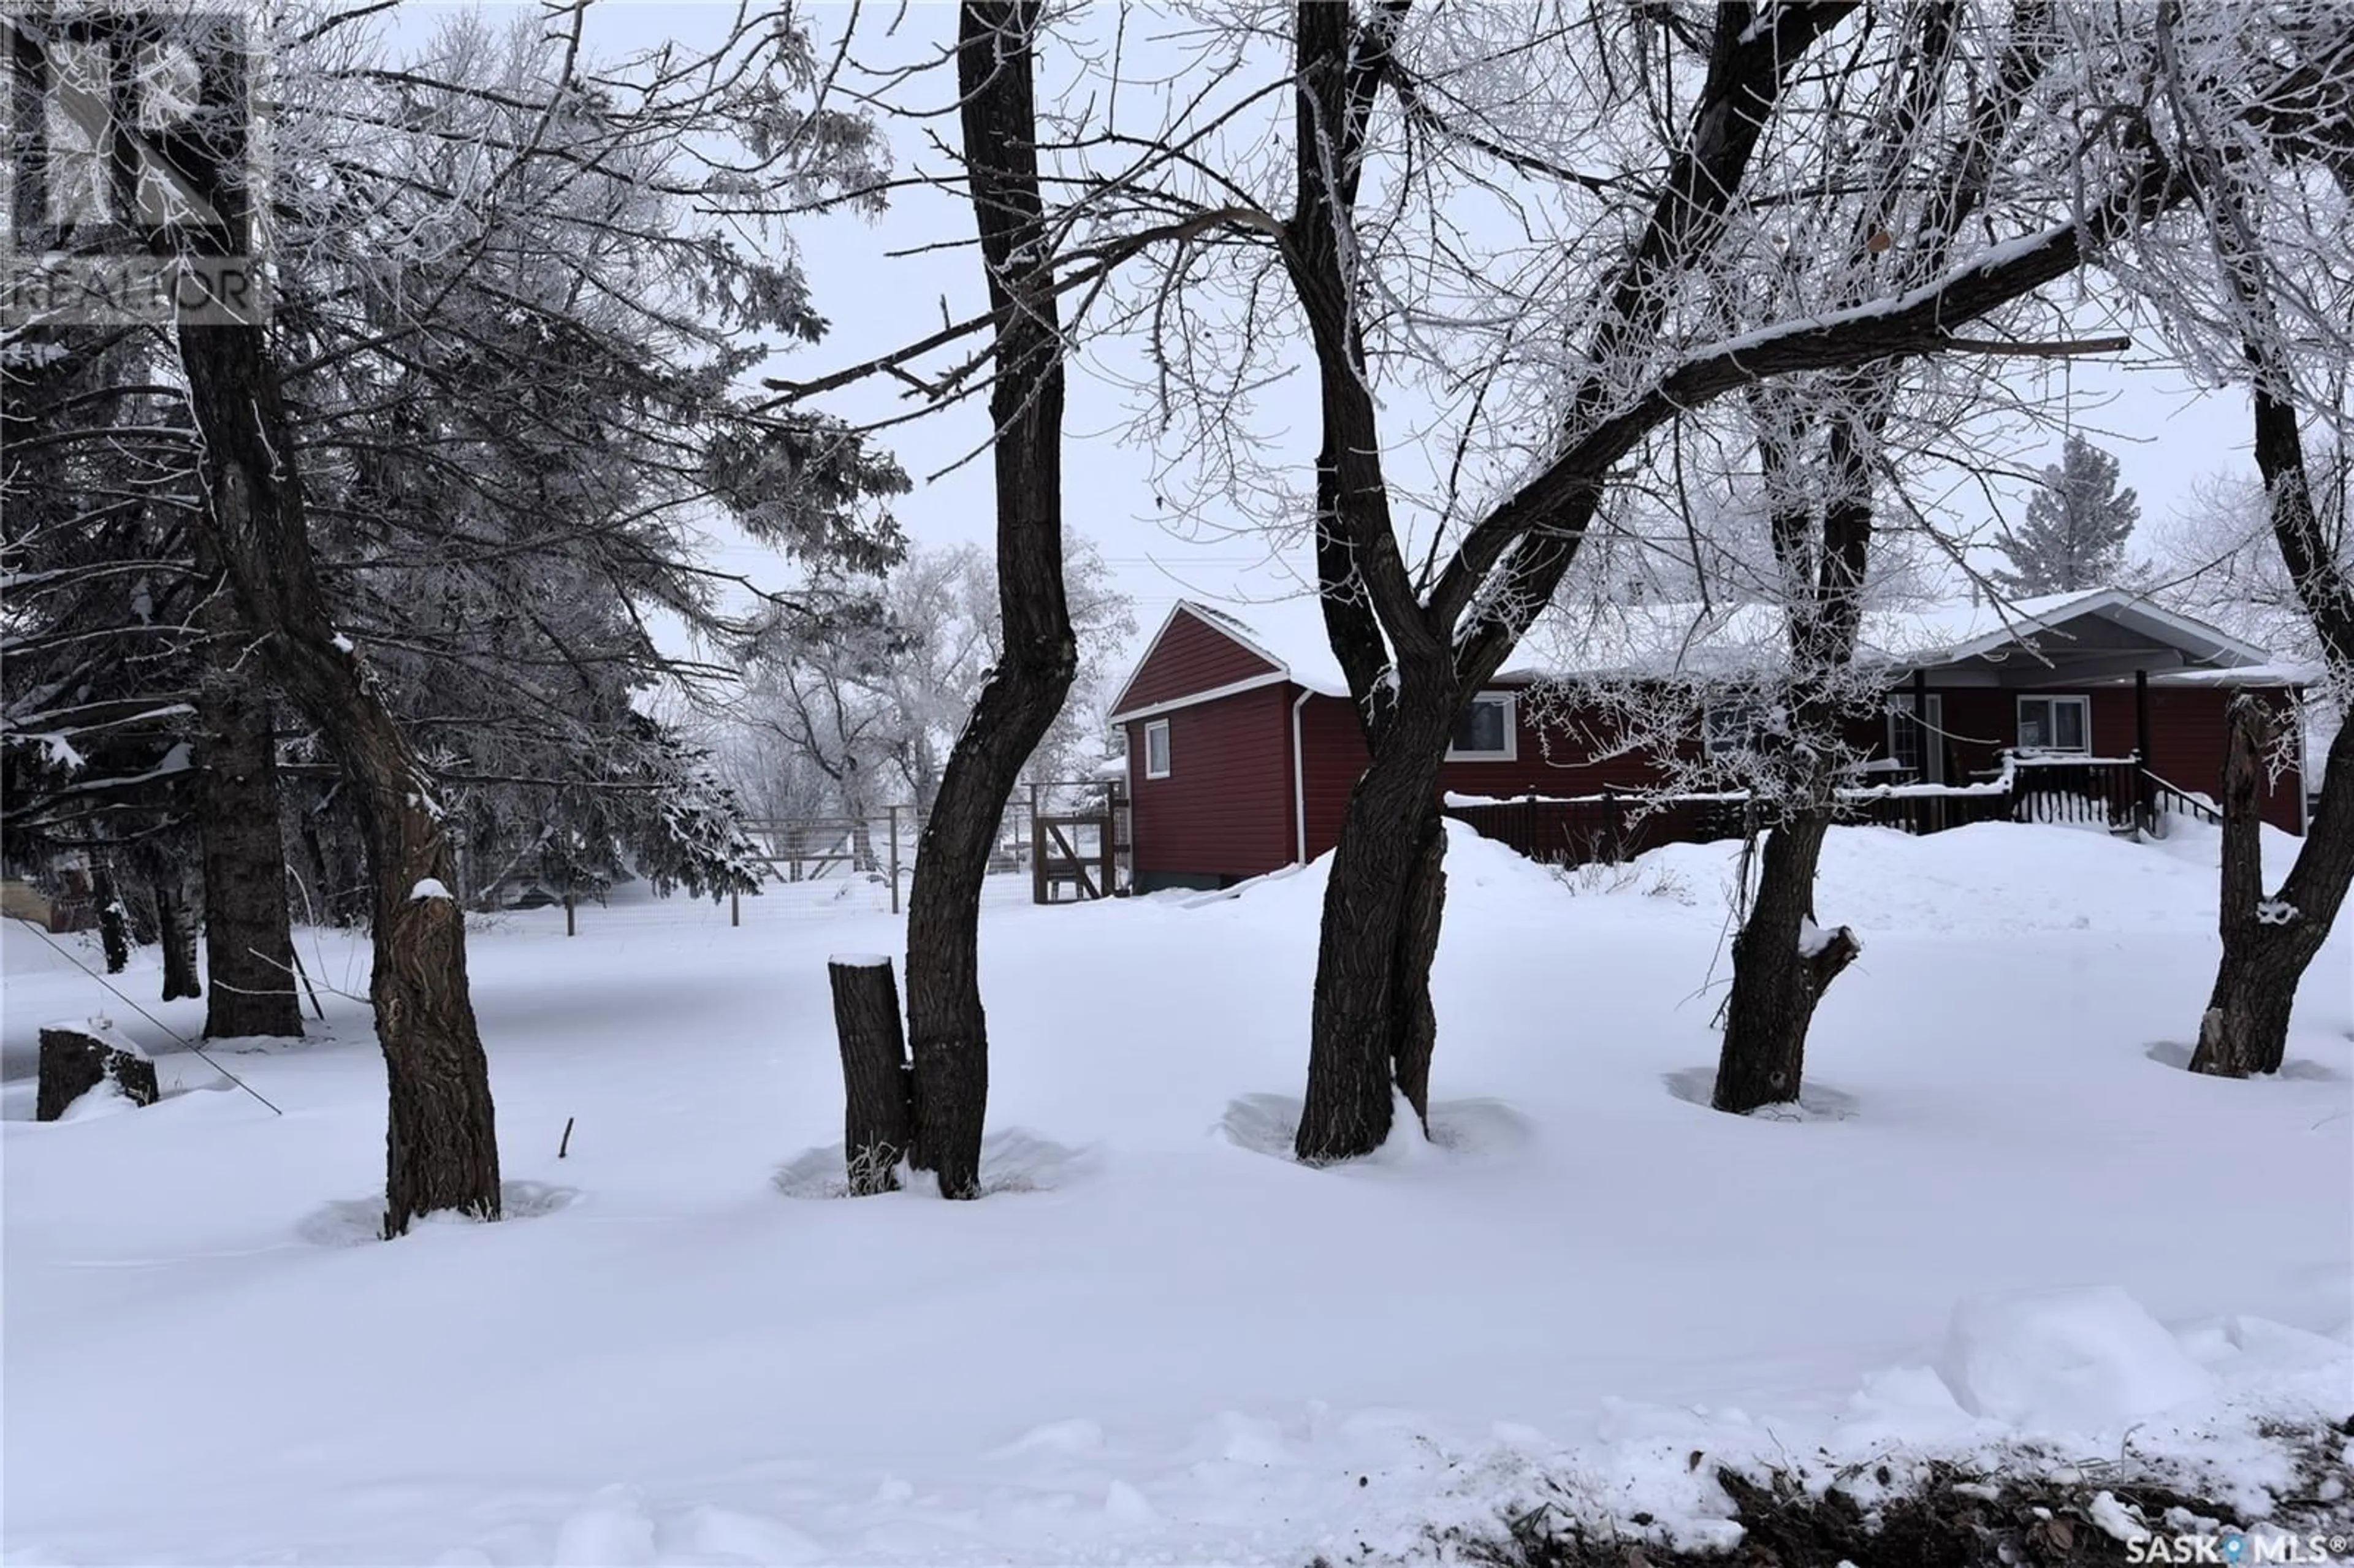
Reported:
(2268, 943)
(442, 1149)
(948, 1031)
(878, 1086)
(248, 937)
(1369, 1025)
(1779, 975)
(176, 933)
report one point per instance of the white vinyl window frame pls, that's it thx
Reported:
(1510, 750)
(1156, 749)
(2052, 707)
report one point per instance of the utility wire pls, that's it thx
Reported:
(190, 1045)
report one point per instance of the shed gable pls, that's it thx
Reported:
(1188, 656)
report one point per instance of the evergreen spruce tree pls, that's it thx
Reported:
(2077, 524)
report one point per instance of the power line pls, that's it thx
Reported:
(191, 1045)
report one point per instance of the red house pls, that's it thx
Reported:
(1243, 745)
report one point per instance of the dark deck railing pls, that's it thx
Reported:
(2117, 793)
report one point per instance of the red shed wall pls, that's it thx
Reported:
(1190, 656)
(1225, 810)
(1548, 761)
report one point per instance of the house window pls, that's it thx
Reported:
(1729, 727)
(1156, 749)
(1484, 731)
(2055, 724)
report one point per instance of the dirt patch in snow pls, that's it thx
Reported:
(1950, 1516)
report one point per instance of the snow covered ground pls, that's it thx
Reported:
(2005, 1212)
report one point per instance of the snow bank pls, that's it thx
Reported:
(1988, 879)
(2084, 1362)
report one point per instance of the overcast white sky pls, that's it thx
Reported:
(2167, 434)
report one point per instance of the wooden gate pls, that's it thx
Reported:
(1082, 853)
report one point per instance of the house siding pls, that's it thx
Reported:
(1225, 811)
(2187, 736)
(1547, 760)
(1190, 655)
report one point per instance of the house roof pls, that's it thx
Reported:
(1288, 632)
(1693, 640)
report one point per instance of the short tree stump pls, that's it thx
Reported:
(78, 1057)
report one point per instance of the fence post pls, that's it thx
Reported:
(1037, 852)
(895, 860)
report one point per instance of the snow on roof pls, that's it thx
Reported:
(1289, 634)
(1693, 640)
(1663, 639)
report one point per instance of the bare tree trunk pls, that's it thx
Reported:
(441, 1150)
(1779, 975)
(176, 930)
(948, 1031)
(248, 936)
(114, 921)
(1369, 1018)
(878, 1116)
(2268, 944)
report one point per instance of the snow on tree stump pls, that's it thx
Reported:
(877, 1079)
(79, 1056)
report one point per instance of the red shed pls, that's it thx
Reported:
(1243, 745)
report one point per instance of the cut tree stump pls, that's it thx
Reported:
(78, 1057)
(877, 1080)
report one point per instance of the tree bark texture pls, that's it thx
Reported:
(1776, 982)
(878, 1084)
(441, 1150)
(947, 1028)
(1414, 1016)
(249, 934)
(1356, 1027)
(113, 922)
(176, 934)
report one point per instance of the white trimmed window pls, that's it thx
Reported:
(2055, 724)
(1484, 730)
(1156, 749)
(1726, 728)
